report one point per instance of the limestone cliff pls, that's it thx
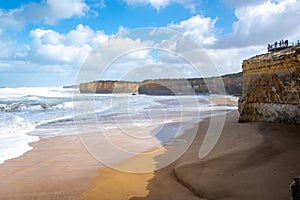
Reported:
(104, 87)
(230, 84)
(165, 87)
(271, 87)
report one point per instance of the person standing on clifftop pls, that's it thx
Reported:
(295, 189)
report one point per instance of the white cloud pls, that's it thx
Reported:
(115, 58)
(85, 35)
(258, 23)
(158, 4)
(48, 12)
(7, 48)
(58, 9)
(4, 65)
(10, 48)
(8, 20)
(202, 31)
(188, 50)
(198, 28)
(230, 60)
(50, 47)
(263, 23)
(154, 3)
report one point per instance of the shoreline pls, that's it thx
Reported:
(52, 159)
(216, 100)
(246, 158)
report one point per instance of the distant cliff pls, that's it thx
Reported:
(165, 87)
(71, 87)
(271, 87)
(104, 87)
(232, 85)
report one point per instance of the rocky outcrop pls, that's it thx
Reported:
(271, 87)
(104, 87)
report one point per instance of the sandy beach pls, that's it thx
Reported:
(250, 161)
(56, 168)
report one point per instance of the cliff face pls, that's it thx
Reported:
(232, 84)
(165, 87)
(104, 87)
(271, 87)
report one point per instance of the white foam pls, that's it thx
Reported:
(13, 140)
(13, 146)
(35, 92)
(23, 109)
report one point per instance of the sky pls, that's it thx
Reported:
(47, 42)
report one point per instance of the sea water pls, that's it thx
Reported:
(28, 114)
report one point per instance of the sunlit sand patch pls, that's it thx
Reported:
(120, 185)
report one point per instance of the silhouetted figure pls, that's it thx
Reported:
(295, 189)
(269, 47)
(282, 44)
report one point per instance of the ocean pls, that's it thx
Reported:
(29, 114)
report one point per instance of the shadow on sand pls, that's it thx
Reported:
(250, 161)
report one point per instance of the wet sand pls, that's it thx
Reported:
(250, 161)
(57, 168)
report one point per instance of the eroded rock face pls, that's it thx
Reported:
(228, 84)
(271, 87)
(166, 87)
(108, 87)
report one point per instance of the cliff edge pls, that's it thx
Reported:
(271, 87)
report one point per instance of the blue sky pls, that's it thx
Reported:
(45, 43)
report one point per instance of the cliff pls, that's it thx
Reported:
(271, 87)
(232, 84)
(104, 87)
(165, 87)
(71, 87)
